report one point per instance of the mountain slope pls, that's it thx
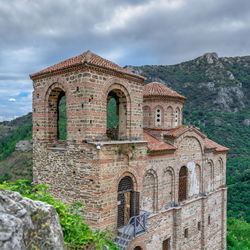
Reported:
(218, 101)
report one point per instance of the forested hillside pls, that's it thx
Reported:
(218, 102)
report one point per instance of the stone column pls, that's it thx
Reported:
(177, 229)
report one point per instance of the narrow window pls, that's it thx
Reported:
(62, 118)
(183, 178)
(57, 115)
(186, 233)
(112, 119)
(166, 244)
(158, 117)
(199, 225)
(209, 220)
(116, 115)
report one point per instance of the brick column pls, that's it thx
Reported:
(177, 229)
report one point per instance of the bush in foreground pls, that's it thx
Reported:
(77, 234)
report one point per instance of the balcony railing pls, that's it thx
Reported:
(136, 226)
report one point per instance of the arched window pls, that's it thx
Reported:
(168, 187)
(170, 117)
(62, 118)
(146, 117)
(177, 117)
(198, 178)
(222, 173)
(149, 192)
(158, 117)
(57, 115)
(116, 115)
(137, 248)
(218, 175)
(128, 201)
(183, 183)
(210, 179)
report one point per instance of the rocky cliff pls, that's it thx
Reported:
(27, 224)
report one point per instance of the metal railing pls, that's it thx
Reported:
(136, 226)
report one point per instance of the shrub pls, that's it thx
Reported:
(77, 234)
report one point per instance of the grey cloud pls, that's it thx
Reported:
(36, 34)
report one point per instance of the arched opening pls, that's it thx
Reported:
(116, 115)
(169, 187)
(128, 201)
(177, 117)
(146, 117)
(158, 117)
(183, 181)
(62, 117)
(198, 178)
(170, 114)
(149, 193)
(137, 248)
(57, 115)
(222, 173)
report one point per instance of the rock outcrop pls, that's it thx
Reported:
(24, 146)
(28, 224)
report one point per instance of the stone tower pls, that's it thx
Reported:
(156, 183)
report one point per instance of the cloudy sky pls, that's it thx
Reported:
(37, 33)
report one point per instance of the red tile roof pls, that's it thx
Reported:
(88, 58)
(209, 144)
(176, 131)
(159, 89)
(156, 145)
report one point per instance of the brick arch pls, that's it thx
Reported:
(51, 98)
(198, 171)
(147, 116)
(183, 144)
(168, 186)
(170, 119)
(150, 191)
(133, 175)
(52, 86)
(209, 175)
(219, 173)
(113, 86)
(115, 82)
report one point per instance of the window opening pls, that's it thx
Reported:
(183, 178)
(199, 225)
(128, 201)
(116, 115)
(158, 117)
(166, 244)
(62, 117)
(137, 248)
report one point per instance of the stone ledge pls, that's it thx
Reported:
(103, 143)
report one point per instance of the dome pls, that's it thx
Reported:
(160, 90)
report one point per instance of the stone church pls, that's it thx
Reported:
(156, 183)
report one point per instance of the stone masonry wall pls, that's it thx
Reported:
(86, 94)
